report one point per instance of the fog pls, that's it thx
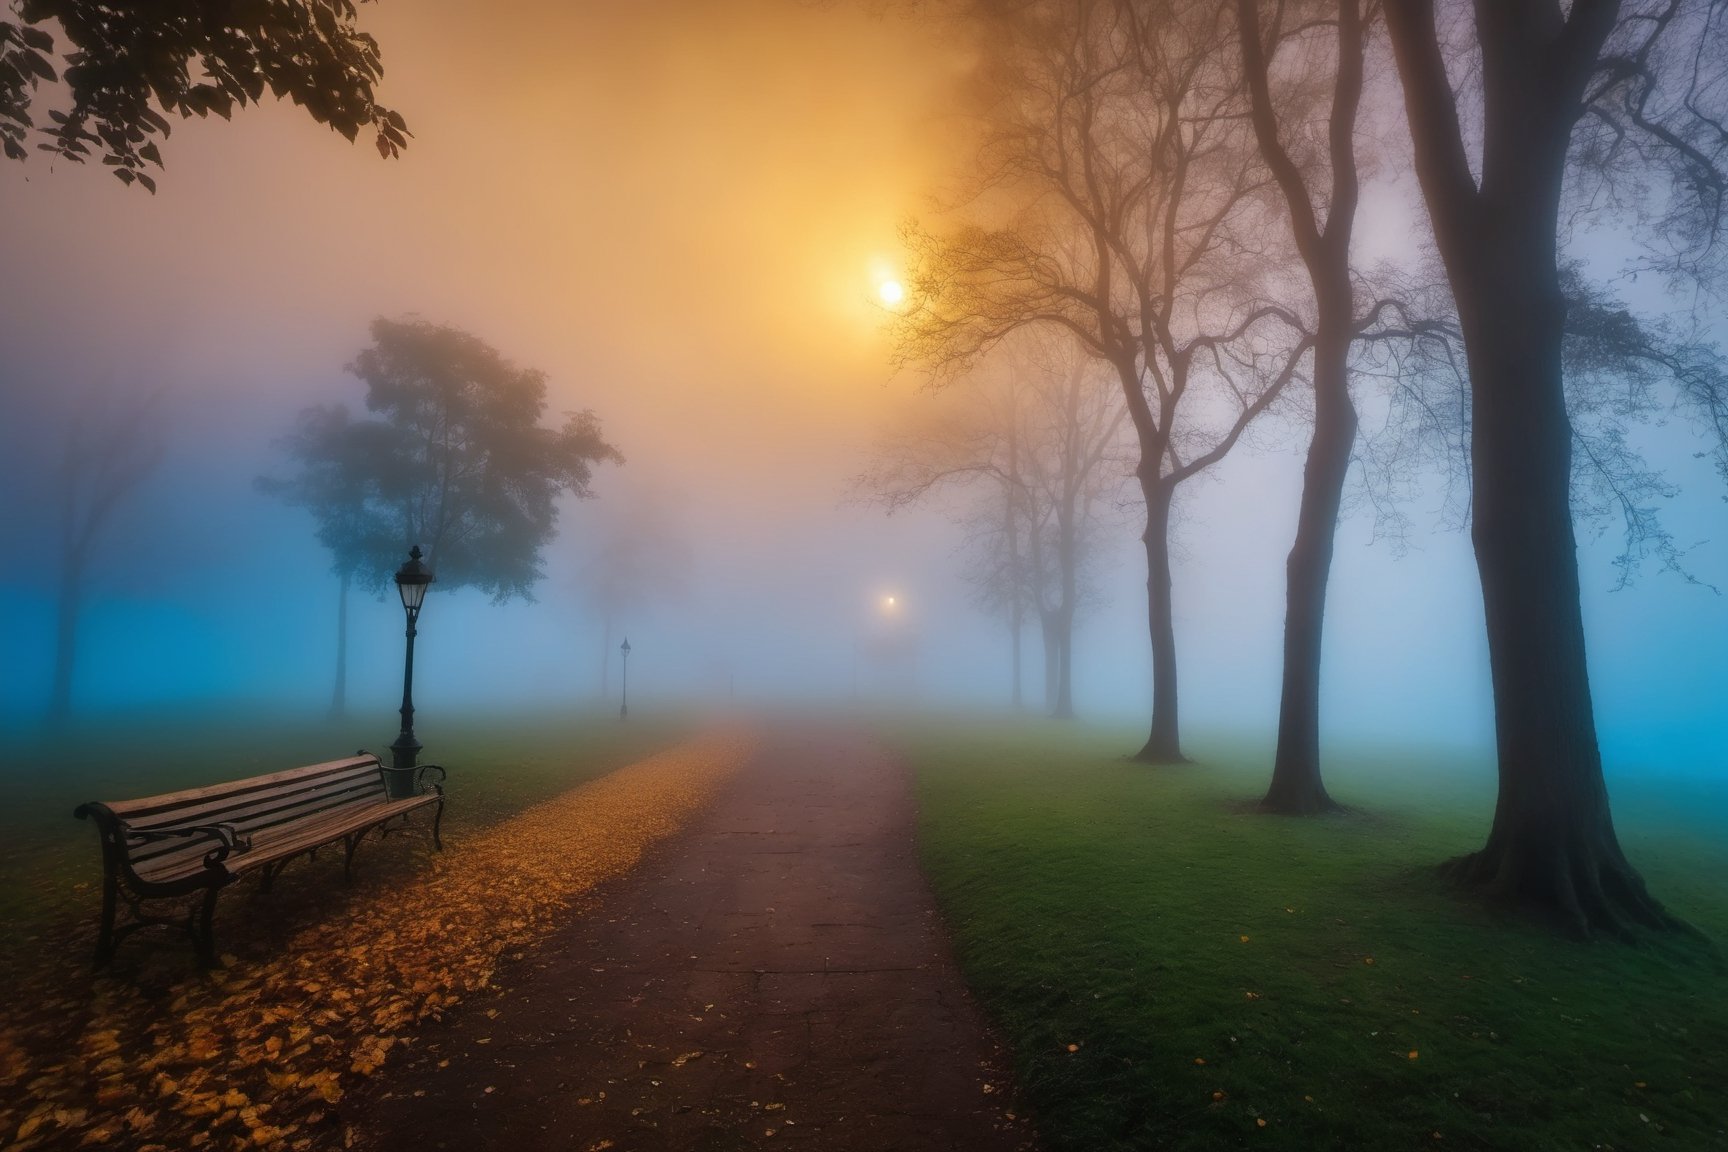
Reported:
(680, 214)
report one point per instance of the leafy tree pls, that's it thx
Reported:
(455, 460)
(1600, 101)
(466, 471)
(123, 66)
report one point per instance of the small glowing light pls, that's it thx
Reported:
(892, 292)
(890, 601)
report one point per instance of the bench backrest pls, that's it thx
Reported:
(250, 806)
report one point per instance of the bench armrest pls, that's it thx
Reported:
(229, 837)
(420, 773)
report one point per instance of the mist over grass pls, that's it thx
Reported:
(1176, 971)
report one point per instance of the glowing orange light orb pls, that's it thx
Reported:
(892, 292)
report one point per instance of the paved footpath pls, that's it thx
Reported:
(774, 976)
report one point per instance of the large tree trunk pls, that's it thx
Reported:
(1297, 788)
(339, 692)
(1016, 627)
(1164, 744)
(1552, 849)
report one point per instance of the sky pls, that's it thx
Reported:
(681, 213)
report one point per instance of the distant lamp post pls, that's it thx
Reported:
(411, 581)
(624, 706)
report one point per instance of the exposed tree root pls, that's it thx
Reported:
(1582, 887)
(1157, 754)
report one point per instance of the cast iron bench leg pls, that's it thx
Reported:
(105, 941)
(353, 842)
(204, 930)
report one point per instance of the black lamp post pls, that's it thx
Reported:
(411, 581)
(624, 707)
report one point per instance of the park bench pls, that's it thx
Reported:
(204, 839)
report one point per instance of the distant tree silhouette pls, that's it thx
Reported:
(117, 68)
(1603, 99)
(1042, 432)
(454, 460)
(105, 456)
(338, 483)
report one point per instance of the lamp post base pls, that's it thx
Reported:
(399, 775)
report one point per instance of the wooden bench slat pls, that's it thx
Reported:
(166, 854)
(202, 811)
(209, 809)
(137, 809)
(294, 840)
(265, 808)
(245, 824)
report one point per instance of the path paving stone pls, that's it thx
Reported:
(775, 976)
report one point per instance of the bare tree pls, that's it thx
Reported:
(1598, 98)
(972, 437)
(1074, 467)
(104, 459)
(1042, 434)
(1138, 226)
(1321, 193)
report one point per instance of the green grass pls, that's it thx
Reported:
(1104, 904)
(50, 862)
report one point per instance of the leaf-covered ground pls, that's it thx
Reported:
(154, 1056)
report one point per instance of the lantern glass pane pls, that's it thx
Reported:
(412, 594)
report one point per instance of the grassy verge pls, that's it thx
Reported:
(1176, 973)
(50, 862)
